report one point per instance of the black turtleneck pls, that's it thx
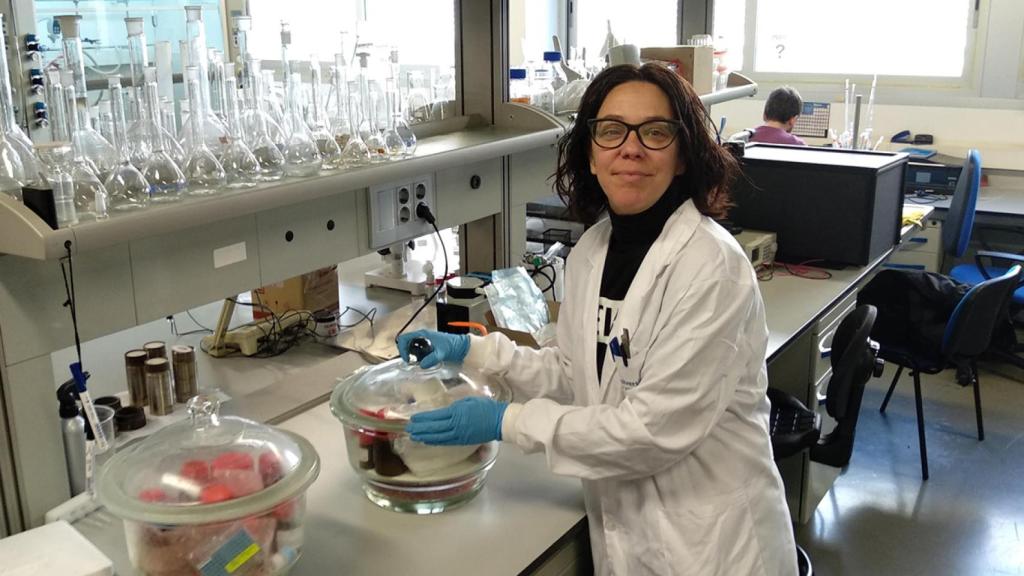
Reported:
(632, 236)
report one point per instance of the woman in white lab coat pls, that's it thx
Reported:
(655, 393)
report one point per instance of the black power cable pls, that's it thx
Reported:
(423, 211)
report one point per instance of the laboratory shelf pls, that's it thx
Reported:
(22, 233)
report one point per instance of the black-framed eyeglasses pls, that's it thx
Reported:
(653, 134)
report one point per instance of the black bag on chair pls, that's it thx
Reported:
(913, 308)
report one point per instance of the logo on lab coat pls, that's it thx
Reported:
(607, 311)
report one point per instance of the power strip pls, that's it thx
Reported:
(246, 339)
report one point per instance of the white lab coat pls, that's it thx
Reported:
(677, 471)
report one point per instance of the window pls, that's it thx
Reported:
(728, 31)
(914, 38)
(316, 27)
(655, 23)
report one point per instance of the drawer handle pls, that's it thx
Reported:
(919, 240)
(825, 352)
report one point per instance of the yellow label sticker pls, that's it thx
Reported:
(242, 558)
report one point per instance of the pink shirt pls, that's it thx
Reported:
(772, 135)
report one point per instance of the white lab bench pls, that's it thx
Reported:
(521, 513)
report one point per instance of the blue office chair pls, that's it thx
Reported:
(967, 335)
(956, 235)
(956, 229)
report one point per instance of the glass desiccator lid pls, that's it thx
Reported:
(384, 396)
(207, 468)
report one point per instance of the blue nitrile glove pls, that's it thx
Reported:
(447, 347)
(466, 421)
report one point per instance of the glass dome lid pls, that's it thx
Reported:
(207, 468)
(384, 396)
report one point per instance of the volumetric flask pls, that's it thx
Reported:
(203, 171)
(126, 186)
(301, 156)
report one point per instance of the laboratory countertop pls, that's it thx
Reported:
(521, 513)
(1004, 196)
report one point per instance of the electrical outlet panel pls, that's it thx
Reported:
(393, 210)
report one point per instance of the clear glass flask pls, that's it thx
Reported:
(127, 188)
(89, 144)
(166, 180)
(22, 145)
(355, 153)
(57, 159)
(301, 155)
(255, 108)
(258, 129)
(138, 60)
(203, 172)
(90, 193)
(240, 164)
(398, 128)
(214, 132)
(376, 122)
(328, 147)
(217, 94)
(341, 128)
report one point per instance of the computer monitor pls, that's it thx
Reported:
(931, 178)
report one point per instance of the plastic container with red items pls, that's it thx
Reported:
(375, 403)
(212, 495)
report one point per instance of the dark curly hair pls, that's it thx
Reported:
(710, 168)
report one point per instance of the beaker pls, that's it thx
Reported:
(328, 147)
(127, 188)
(301, 155)
(203, 172)
(166, 180)
(240, 164)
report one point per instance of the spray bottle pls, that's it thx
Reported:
(73, 430)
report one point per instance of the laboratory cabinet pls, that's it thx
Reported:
(921, 251)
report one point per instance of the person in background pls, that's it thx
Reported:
(655, 393)
(780, 113)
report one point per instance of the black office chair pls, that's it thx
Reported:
(967, 335)
(795, 428)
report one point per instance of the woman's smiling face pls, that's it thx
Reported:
(632, 176)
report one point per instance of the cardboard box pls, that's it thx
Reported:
(315, 291)
(693, 63)
(522, 338)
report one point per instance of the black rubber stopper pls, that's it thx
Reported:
(420, 348)
(112, 401)
(130, 418)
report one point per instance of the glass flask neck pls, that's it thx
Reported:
(120, 125)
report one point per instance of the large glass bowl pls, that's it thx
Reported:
(212, 495)
(375, 403)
